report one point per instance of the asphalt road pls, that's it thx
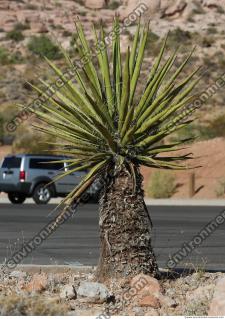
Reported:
(76, 242)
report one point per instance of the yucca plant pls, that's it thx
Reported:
(105, 128)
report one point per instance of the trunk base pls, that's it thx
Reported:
(125, 229)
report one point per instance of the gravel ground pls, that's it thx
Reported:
(23, 293)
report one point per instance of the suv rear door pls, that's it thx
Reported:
(69, 182)
(10, 170)
(40, 166)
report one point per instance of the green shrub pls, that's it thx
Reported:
(81, 2)
(207, 42)
(15, 35)
(214, 128)
(220, 10)
(113, 5)
(162, 184)
(7, 58)
(190, 19)
(31, 6)
(82, 13)
(178, 36)
(152, 37)
(4, 56)
(153, 43)
(212, 30)
(198, 11)
(43, 46)
(57, 26)
(220, 189)
(21, 26)
(58, 4)
(217, 126)
(66, 33)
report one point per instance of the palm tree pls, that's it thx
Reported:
(107, 129)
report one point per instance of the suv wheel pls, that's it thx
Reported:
(16, 198)
(42, 194)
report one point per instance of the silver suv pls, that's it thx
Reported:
(26, 175)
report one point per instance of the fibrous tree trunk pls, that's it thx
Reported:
(125, 228)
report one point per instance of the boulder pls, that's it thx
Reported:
(38, 283)
(167, 301)
(146, 291)
(68, 292)
(152, 312)
(93, 292)
(217, 305)
(202, 292)
(143, 285)
(149, 301)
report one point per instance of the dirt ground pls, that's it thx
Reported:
(210, 155)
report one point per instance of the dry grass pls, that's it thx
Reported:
(21, 305)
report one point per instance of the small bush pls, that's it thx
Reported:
(207, 42)
(7, 58)
(58, 4)
(15, 35)
(82, 13)
(212, 30)
(220, 10)
(190, 19)
(81, 2)
(66, 33)
(31, 6)
(113, 5)
(43, 46)
(185, 40)
(21, 26)
(162, 184)
(57, 26)
(153, 43)
(214, 128)
(19, 305)
(179, 36)
(220, 189)
(217, 126)
(198, 11)
(153, 37)
(4, 56)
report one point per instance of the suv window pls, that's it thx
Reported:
(42, 163)
(11, 162)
